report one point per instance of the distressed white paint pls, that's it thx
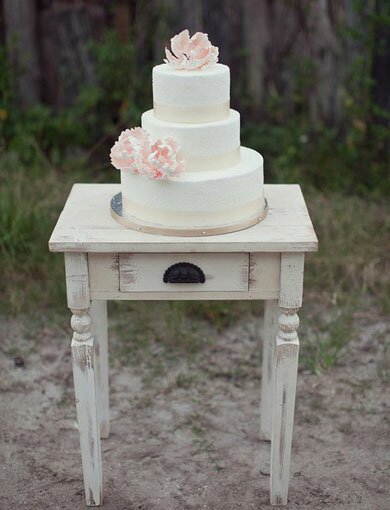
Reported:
(283, 405)
(140, 272)
(77, 284)
(271, 313)
(103, 272)
(185, 296)
(86, 404)
(86, 225)
(264, 271)
(286, 356)
(274, 251)
(99, 331)
(291, 280)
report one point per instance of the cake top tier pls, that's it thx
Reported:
(191, 96)
(191, 87)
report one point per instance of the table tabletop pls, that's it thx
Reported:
(86, 225)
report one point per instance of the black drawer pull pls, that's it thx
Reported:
(184, 272)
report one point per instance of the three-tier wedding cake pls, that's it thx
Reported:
(184, 172)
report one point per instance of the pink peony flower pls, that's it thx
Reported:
(131, 151)
(134, 151)
(165, 159)
(191, 53)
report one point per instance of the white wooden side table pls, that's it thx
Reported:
(104, 260)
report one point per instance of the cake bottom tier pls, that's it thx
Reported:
(197, 203)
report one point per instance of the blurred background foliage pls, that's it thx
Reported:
(305, 80)
(310, 78)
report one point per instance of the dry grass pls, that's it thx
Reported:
(353, 262)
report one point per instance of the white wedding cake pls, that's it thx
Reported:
(185, 172)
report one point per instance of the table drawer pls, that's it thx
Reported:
(176, 272)
(140, 276)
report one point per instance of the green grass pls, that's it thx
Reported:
(348, 276)
(31, 198)
(29, 202)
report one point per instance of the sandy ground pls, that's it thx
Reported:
(187, 437)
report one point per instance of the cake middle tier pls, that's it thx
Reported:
(205, 146)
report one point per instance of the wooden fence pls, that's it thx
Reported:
(297, 52)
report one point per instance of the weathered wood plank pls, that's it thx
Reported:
(253, 15)
(65, 30)
(20, 20)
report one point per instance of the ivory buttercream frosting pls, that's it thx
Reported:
(185, 167)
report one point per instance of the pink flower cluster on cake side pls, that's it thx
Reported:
(134, 151)
(191, 53)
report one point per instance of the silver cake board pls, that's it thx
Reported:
(154, 228)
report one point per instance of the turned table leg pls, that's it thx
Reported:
(99, 331)
(271, 313)
(285, 375)
(86, 405)
(83, 358)
(285, 379)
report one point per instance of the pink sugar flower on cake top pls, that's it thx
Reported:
(134, 151)
(191, 53)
